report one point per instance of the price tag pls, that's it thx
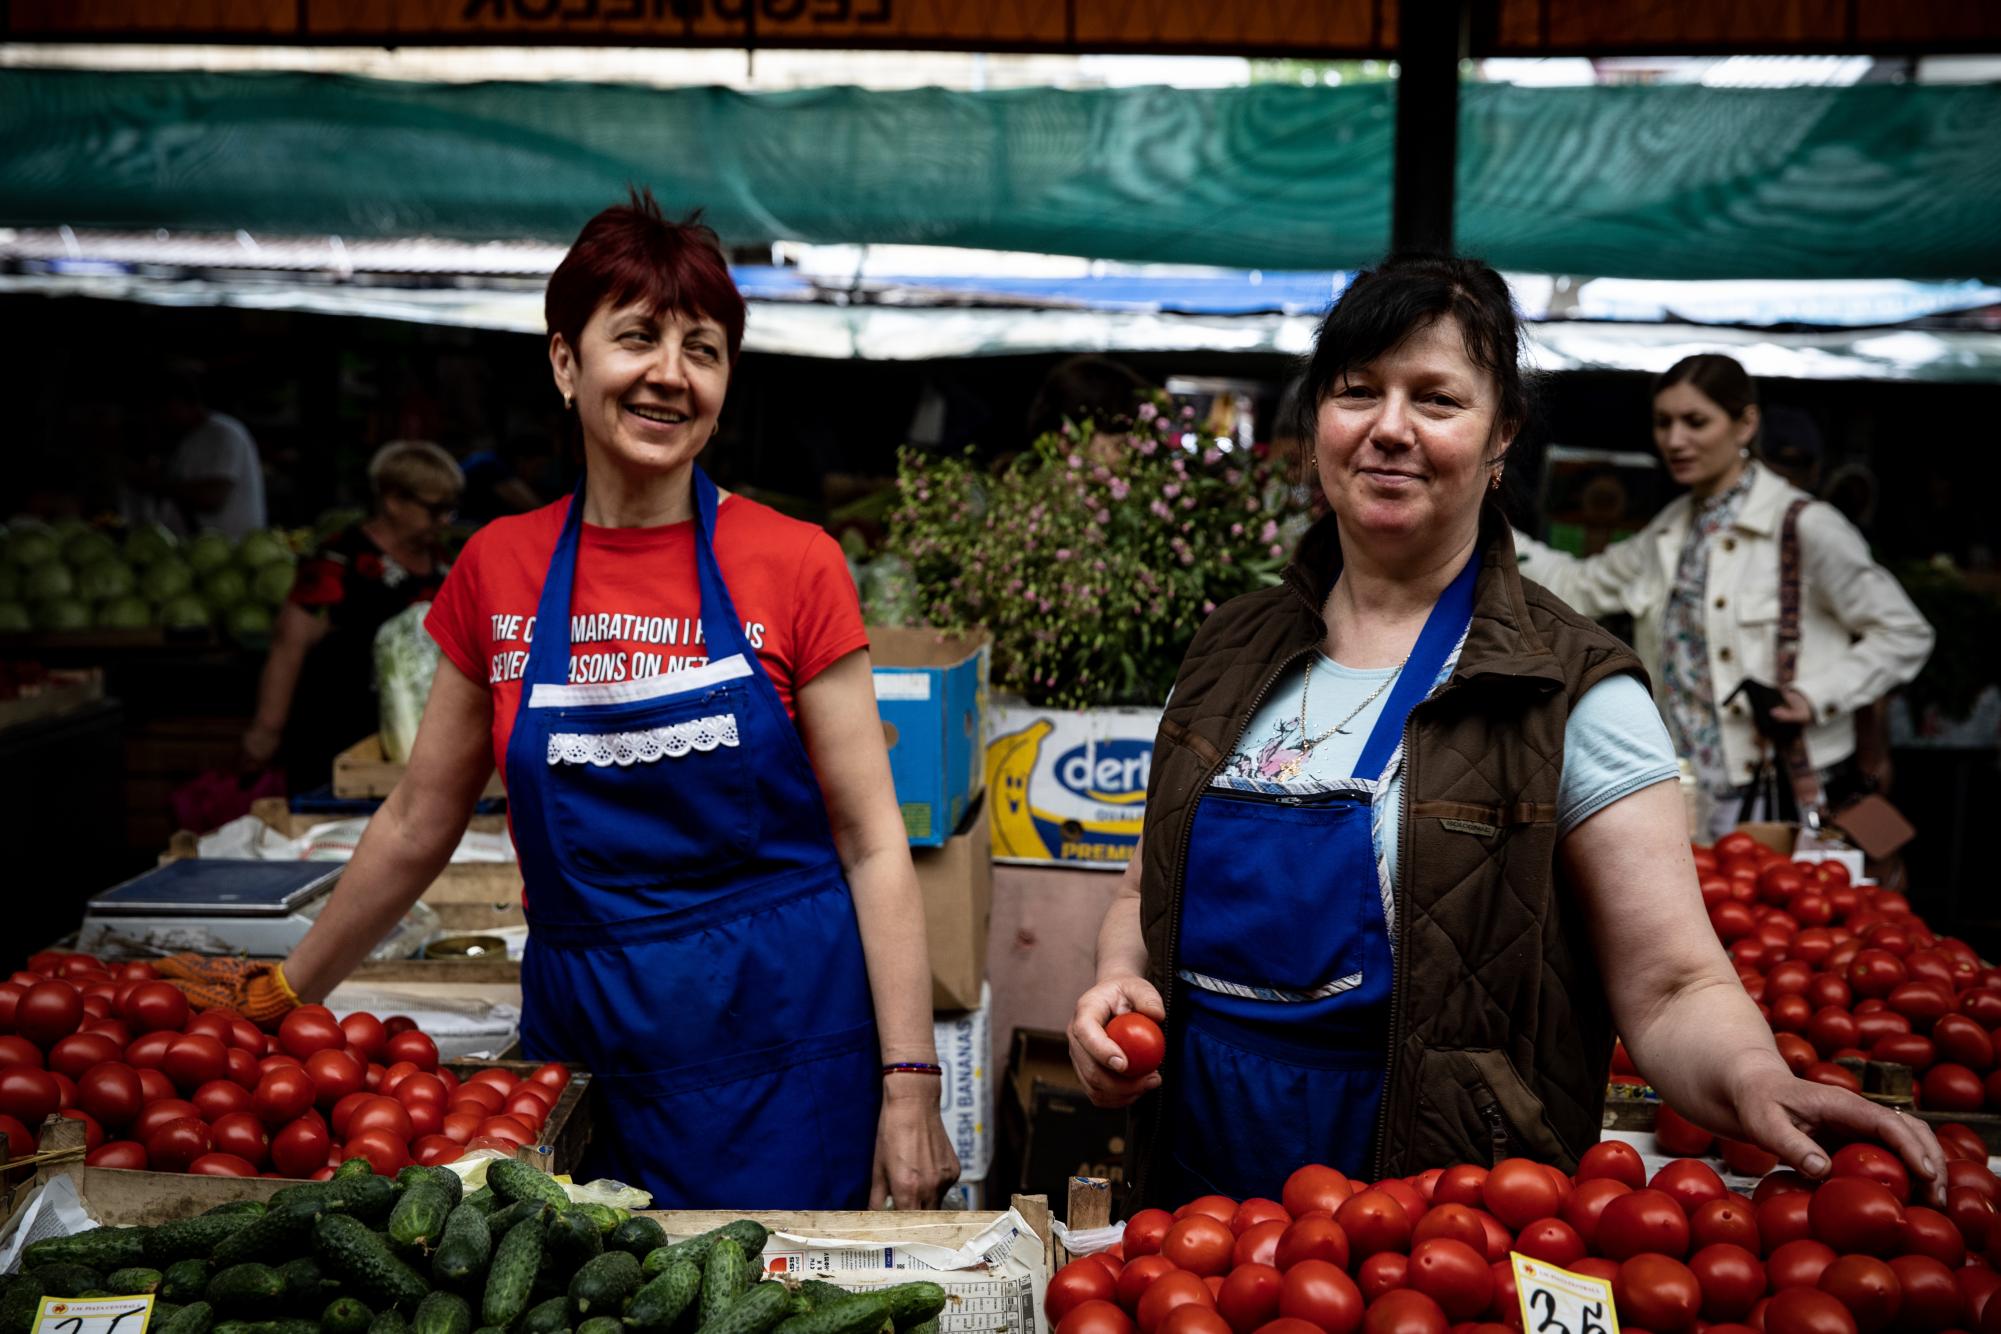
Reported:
(97, 1315)
(1556, 1301)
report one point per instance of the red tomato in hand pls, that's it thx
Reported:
(1144, 1045)
(1249, 1297)
(1200, 1244)
(1322, 1294)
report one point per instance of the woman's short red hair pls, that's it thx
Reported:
(634, 252)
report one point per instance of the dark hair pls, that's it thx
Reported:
(1723, 380)
(1091, 386)
(1384, 305)
(634, 252)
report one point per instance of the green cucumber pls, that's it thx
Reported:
(574, 1241)
(695, 1250)
(760, 1309)
(354, 1167)
(389, 1322)
(134, 1282)
(286, 1197)
(464, 1248)
(605, 1216)
(252, 1207)
(308, 1287)
(605, 1285)
(822, 1293)
(861, 1314)
(247, 1291)
(912, 1304)
(482, 1199)
(277, 1235)
(722, 1280)
(511, 1276)
(658, 1304)
(346, 1315)
(194, 1318)
(347, 1248)
(602, 1324)
(18, 1308)
(65, 1279)
(102, 1248)
(185, 1280)
(442, 1313)
(550, 1317)
(369, 1198)
(923, 1327)
(501, 1219)
(266, 1327)
(194, 1238)
(418, 1220)
(512, 1180)
(637, 1237)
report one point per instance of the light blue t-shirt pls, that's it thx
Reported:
(1614, 744)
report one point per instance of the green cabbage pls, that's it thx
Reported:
(263, 548)
(48, 583)
(105, 580)
(405, 660)
(27, 547)
(14, 619)
(185, 612)
(248, 623)
(209, 551)
(88, 548)
(62, 614)
(150, 542)
(272, 585)
(165, 580)
(224, 588)
(126, 613)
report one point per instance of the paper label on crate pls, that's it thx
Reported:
(1068, 786)
(96, 1315)
(1556, 1301)
(912, 687)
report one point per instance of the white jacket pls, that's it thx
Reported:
(1860, 635)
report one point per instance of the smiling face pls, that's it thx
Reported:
(1701, 443)
(647, 388)
(1406, 444)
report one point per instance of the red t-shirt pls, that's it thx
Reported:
(635, 610)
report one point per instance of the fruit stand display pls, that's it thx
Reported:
(1434, 1253)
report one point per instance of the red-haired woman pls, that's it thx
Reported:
(724, 922)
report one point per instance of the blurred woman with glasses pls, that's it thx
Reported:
(323, 643)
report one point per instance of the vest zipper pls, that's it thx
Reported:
(1180, 870)
(1497, 1129)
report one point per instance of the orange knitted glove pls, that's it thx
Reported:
(257, 991)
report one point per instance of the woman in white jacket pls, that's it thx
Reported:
(1701, 582)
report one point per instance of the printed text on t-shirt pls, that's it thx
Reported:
(670, 632)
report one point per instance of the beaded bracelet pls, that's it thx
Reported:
(912, 1068)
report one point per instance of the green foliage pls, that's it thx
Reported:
(1092, 559)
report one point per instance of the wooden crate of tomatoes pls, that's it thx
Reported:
(1429, 1254)
(156, 1087)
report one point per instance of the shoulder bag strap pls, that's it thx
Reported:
(1806, 783)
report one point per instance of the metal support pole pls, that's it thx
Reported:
(1432, 37)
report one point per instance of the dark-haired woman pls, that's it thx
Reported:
(724, 922)
(1701, 582)
(1413, 853)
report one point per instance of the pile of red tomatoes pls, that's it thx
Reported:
(1841, 970)
(159, 1087)
(1429, 1254)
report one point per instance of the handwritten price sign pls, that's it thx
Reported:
(98, 1315)
(1556, 1301)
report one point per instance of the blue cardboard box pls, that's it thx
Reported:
(931, 690)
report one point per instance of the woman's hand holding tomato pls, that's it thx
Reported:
(1103, 1066)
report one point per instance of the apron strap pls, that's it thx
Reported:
(549, 653)
(1448, 620)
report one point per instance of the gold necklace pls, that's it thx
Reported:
(1291, 770)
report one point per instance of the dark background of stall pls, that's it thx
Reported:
(321, 393)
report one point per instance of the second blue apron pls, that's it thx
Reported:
(692, 939)
(1281, 1039)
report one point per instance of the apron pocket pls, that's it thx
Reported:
(651, 794)
(801, 1136)
(1245, 1119)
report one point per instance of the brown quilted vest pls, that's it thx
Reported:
(1501, 1035)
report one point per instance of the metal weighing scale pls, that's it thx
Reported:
(212, 906)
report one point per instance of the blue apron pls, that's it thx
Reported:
(691, 935)
(1281, 1042)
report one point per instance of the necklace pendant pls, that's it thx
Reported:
(1288, 773)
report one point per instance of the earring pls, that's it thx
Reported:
(566, 402)
(1494, 482)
